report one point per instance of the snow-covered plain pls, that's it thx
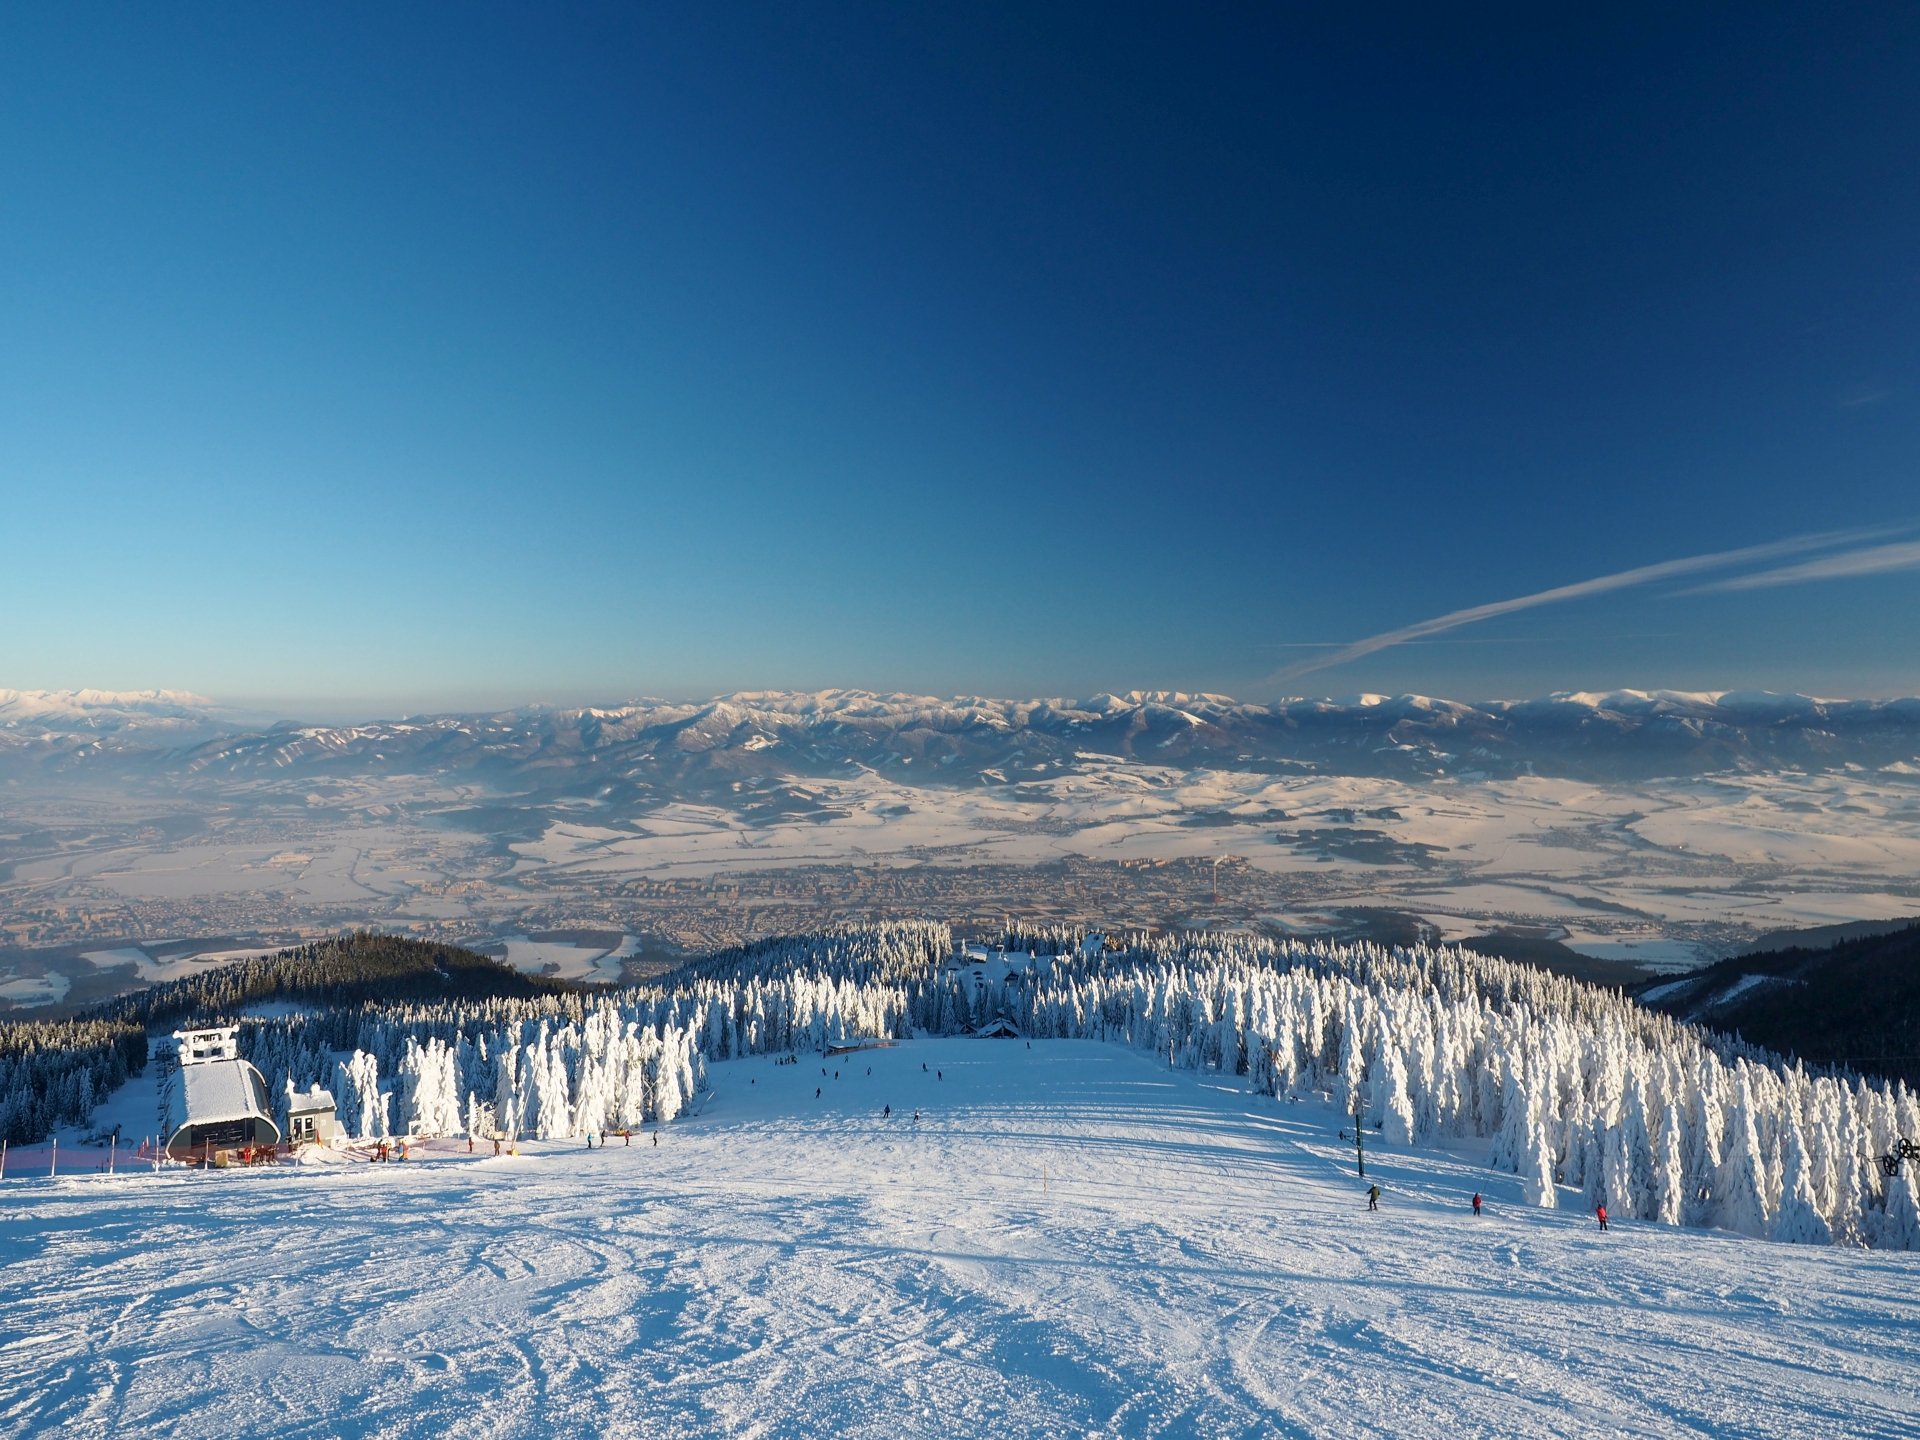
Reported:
(1072, 1240)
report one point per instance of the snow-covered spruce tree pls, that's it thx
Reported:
(508, 1113)
(1670, 1173)
(362, 1098)
(667, 1097)
(1798, 1218)
(1899, 1223)
(480, 1124)
(1536, 1177)
(1745, 1191)
(1636, 1139)
(1398, 1126)
(1706, 1141)
(1515, 1141)
(429, 1089)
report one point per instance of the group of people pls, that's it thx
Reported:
(1373, 1203)
(625, 1134)
(385, 1151)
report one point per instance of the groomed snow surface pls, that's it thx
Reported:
(1071, 1241)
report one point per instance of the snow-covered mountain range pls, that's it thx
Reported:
(1617, 735)
(31, 712)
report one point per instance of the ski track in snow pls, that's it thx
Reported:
(1073, 1241)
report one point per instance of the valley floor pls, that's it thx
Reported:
(1070, 1241)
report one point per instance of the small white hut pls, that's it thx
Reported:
(227, 1109)
(311, 1118)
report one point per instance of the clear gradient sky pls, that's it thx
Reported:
(413, 357)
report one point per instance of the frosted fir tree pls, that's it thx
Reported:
(666, 1086)
(429, 1089)
(1852, 1177)
(360, 1079)
(1607, 1179)
(1815, 1115)
(636, 1090)
(1798, 1220)
(1899, 1227)
(1423, 1078)
(1382, 1041)
(508, 1109)
(1705, 1141)
(1670, 1173)
(1448, 1066)
(1636, 1141)
(553, 1115)
(1537, 1187)
(1398, 1106)
(1744, 1191)
(1353, 1057)
(1513, 1142)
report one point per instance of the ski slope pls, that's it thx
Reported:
(1071, 1241)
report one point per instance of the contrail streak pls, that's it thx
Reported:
(1874, 560)
(1599, 585)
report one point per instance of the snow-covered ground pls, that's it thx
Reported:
(1071, 1241)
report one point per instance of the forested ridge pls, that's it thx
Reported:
(351, 970)
(1853, 1003)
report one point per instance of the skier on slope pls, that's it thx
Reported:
(1373, 1197)
(1476, 1202)
(1600, 1214)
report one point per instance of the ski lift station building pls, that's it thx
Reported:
(226, 1099)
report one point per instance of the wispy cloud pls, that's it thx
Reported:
(1468, 640)
(1862, 396)
(1847, 541)
(1874, 560)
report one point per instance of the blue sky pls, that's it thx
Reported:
(415, 357)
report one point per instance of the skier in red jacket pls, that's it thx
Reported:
(1600, 1212)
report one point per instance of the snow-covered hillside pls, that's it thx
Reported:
(1072, 1239)
(1557, 1082)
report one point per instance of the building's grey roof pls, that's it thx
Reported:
(224, 1090)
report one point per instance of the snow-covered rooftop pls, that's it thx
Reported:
(224, 1090)
(303, 1102)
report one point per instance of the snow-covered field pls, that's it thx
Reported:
(1071, 1240)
